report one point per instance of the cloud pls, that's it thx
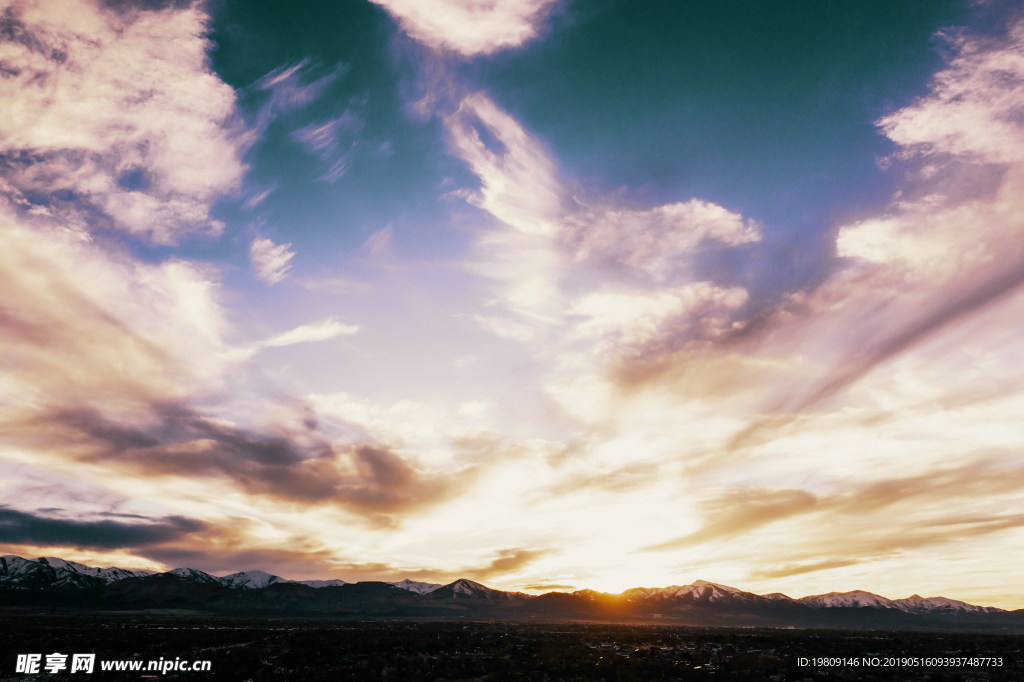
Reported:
(939, 269)
(99, 93)
(661, 241)
(469, 27)
(292, 87)
(257, 198)
(333, 141)
(549, 587)
(292, 463)
(35, 529)
(933, 264)
(801, 568)
(84, 324)
(895, 371)
(271, 261)
(858, 522)
(519, 183)
(310, 333)
(509, 561)
(974, 105)
(631, 326)
(742, 511)
(551, 242)
(111, 387)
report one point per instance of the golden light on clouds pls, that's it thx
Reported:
(597, 408)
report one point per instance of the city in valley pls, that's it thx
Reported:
(464, 650)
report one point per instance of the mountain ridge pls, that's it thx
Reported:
(698, 590)
(52, 581)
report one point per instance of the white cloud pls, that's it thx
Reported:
(88, 327)
(974, 113)
(974, 106)
(552, 243)
(312, 332)
(659, 239)
(122, 110)
(469, 27)
(271, 261)
(626, 325)
(519, 184)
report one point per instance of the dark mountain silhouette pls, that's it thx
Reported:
(54, 583)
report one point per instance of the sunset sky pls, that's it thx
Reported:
(548, 294)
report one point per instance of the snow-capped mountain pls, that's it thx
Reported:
(52, 572)
(918, 604)
(853, 599)
(193, 575)
(701, 601)
(467, 589)
(250, 580)
(912, 604)
(778, 596)
(107, 575)
(246, 580)
(699, 591)
(416, 587)
(702, 590)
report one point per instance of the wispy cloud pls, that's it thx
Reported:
(309, 333)
(293, 87)
(508, 561)
(272, 262)
(333, 141)
(742, 511)
(138, 330)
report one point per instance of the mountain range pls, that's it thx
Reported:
(53, 582)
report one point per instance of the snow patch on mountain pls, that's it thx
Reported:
(193, 575)
(251, 580)
(700, 590)
(464, 588)
(52, 572)
(416, 587)
(107, 575)
(852, 599)
(918, 604)
(778, 596)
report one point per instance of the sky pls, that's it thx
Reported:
(547, 294)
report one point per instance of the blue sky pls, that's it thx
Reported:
(544, 293)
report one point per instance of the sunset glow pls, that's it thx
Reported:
(549, 295)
